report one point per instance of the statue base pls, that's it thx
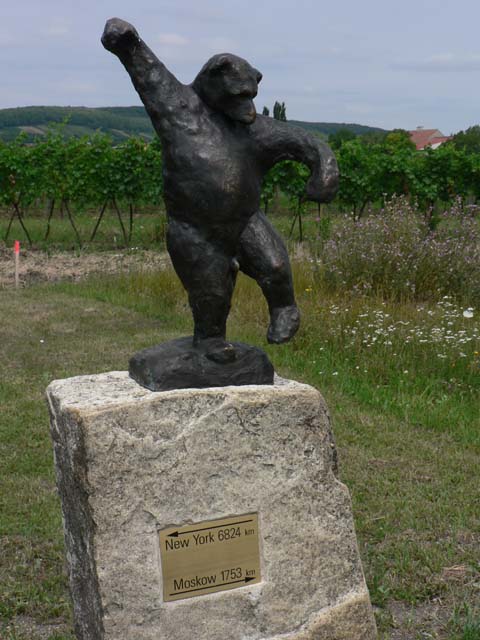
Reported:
(180, 365)
(206, 514)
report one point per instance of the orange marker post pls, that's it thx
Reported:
(16, 250)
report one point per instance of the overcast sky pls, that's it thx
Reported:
(387, 63)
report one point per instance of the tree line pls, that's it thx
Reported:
(376, 168)
(378, 165)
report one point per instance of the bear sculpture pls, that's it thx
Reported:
(216, 152)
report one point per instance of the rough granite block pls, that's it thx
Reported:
(131, 462)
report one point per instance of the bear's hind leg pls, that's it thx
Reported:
(263, 256)
(208, 274)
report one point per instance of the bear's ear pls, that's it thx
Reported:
(221, 64)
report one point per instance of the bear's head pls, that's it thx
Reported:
(229, 84)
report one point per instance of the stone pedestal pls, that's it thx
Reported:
(132, 463)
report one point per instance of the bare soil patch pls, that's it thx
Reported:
(426, 620)
(25, 627)
(40, 266)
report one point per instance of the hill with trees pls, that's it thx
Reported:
(118, 122)
(326, 129)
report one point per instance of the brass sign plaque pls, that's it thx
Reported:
(206, 557)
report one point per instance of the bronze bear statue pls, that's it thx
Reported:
(216, 152)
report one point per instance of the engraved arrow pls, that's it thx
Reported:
(175, 534)
(210, 586)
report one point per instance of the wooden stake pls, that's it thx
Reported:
(16, 250)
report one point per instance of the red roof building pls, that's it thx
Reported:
(423, 138)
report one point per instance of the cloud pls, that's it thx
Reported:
(334, 51)
(441, 63)
(74, 86)
(360, 108)
(174, 39)
(57, 28)
(6, 39)
(219, 44)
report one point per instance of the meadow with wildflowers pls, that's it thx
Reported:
(391, 310)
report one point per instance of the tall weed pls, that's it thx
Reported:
(397, 254)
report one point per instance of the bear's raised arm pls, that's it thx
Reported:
(159, 90)
(282, 141)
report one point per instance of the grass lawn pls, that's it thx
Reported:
(406, 422)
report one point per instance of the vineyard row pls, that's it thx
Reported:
(80, 173)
